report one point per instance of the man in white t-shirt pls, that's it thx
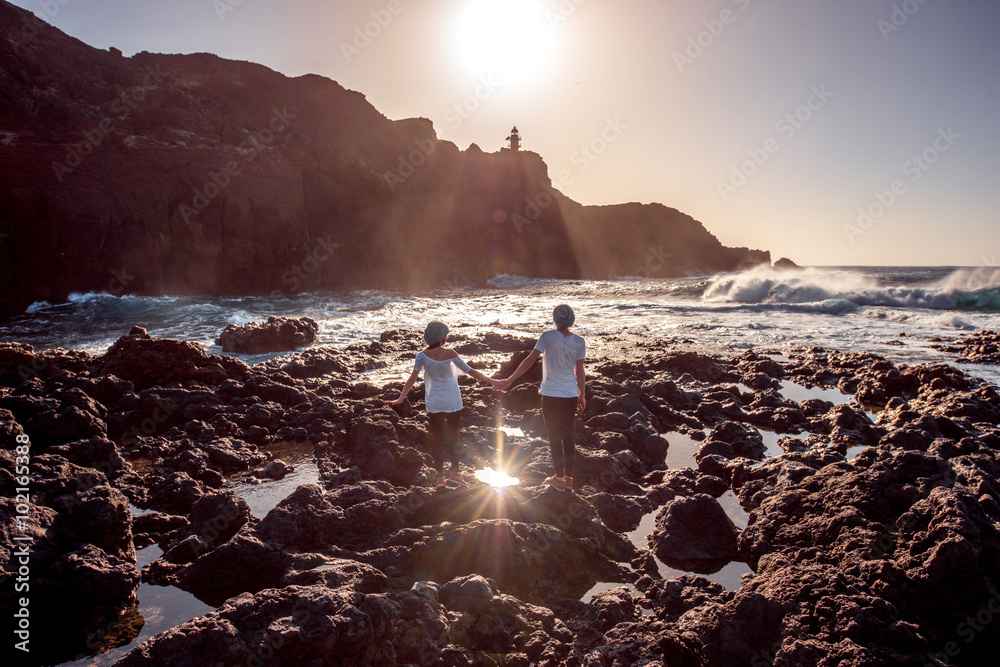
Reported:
(563, 390)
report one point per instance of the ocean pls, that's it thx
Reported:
(892, 311)
(895, 312)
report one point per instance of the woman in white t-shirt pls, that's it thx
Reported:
(563, 390)
(441, 367)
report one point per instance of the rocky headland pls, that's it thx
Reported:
(888, 555)
(190, 174)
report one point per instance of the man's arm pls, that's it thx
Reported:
(581, 384)
(523, 368)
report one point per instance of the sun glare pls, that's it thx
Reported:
(509, 39)
(496, 479)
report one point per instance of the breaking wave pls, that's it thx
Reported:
(974, 290)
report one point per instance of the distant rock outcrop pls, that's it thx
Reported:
(191, 174)
(787, 264)
(277, 334)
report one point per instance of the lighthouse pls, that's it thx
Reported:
(514, 139)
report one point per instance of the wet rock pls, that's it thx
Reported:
(981, 347)
(695, 531)
(66, 425)
(20, 363)
(175, 493)
(533, 561)
(146, 362)
(98, 453)
(153, 526)
(216, 517)
(850, 424)
(730, 440)
(703, 368)
(376, 452)
(277, 334)
(619, 513)
(318, 362)
(687, 482)
(672, 598)
(80, 553)
(578, 518)
(276, 469)
(321, 623)
(334, 573)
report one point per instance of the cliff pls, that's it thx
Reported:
(184, 174)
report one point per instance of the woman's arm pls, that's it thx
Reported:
(485, 380)
(581, 384)
(410, 381)
(522, 369)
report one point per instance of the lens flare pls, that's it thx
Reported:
(496, 479)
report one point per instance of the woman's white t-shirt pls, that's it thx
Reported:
(559, 356)
(441, 393)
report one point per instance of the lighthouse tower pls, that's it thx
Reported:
(514, 139)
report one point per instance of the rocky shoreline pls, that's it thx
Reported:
(891, 557)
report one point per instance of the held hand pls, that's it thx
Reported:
(396, 402)
(582, 404)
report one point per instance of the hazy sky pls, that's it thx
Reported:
(773, 122)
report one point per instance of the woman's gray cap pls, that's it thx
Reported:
(563, 316)
(435, 332)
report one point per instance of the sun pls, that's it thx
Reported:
(509, 39)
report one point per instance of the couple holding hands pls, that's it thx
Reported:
(563, 390)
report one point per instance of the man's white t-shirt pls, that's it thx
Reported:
(441, 392)
(559, 356)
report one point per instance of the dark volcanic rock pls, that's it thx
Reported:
(80, 555)
(695, 532)
(146, 362)
(314, 363)
(457, 623)
(535, 562)
(982, 347)
(702, 368)
(731, 440)
(277, 334)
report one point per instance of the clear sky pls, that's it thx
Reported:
(776, 123)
